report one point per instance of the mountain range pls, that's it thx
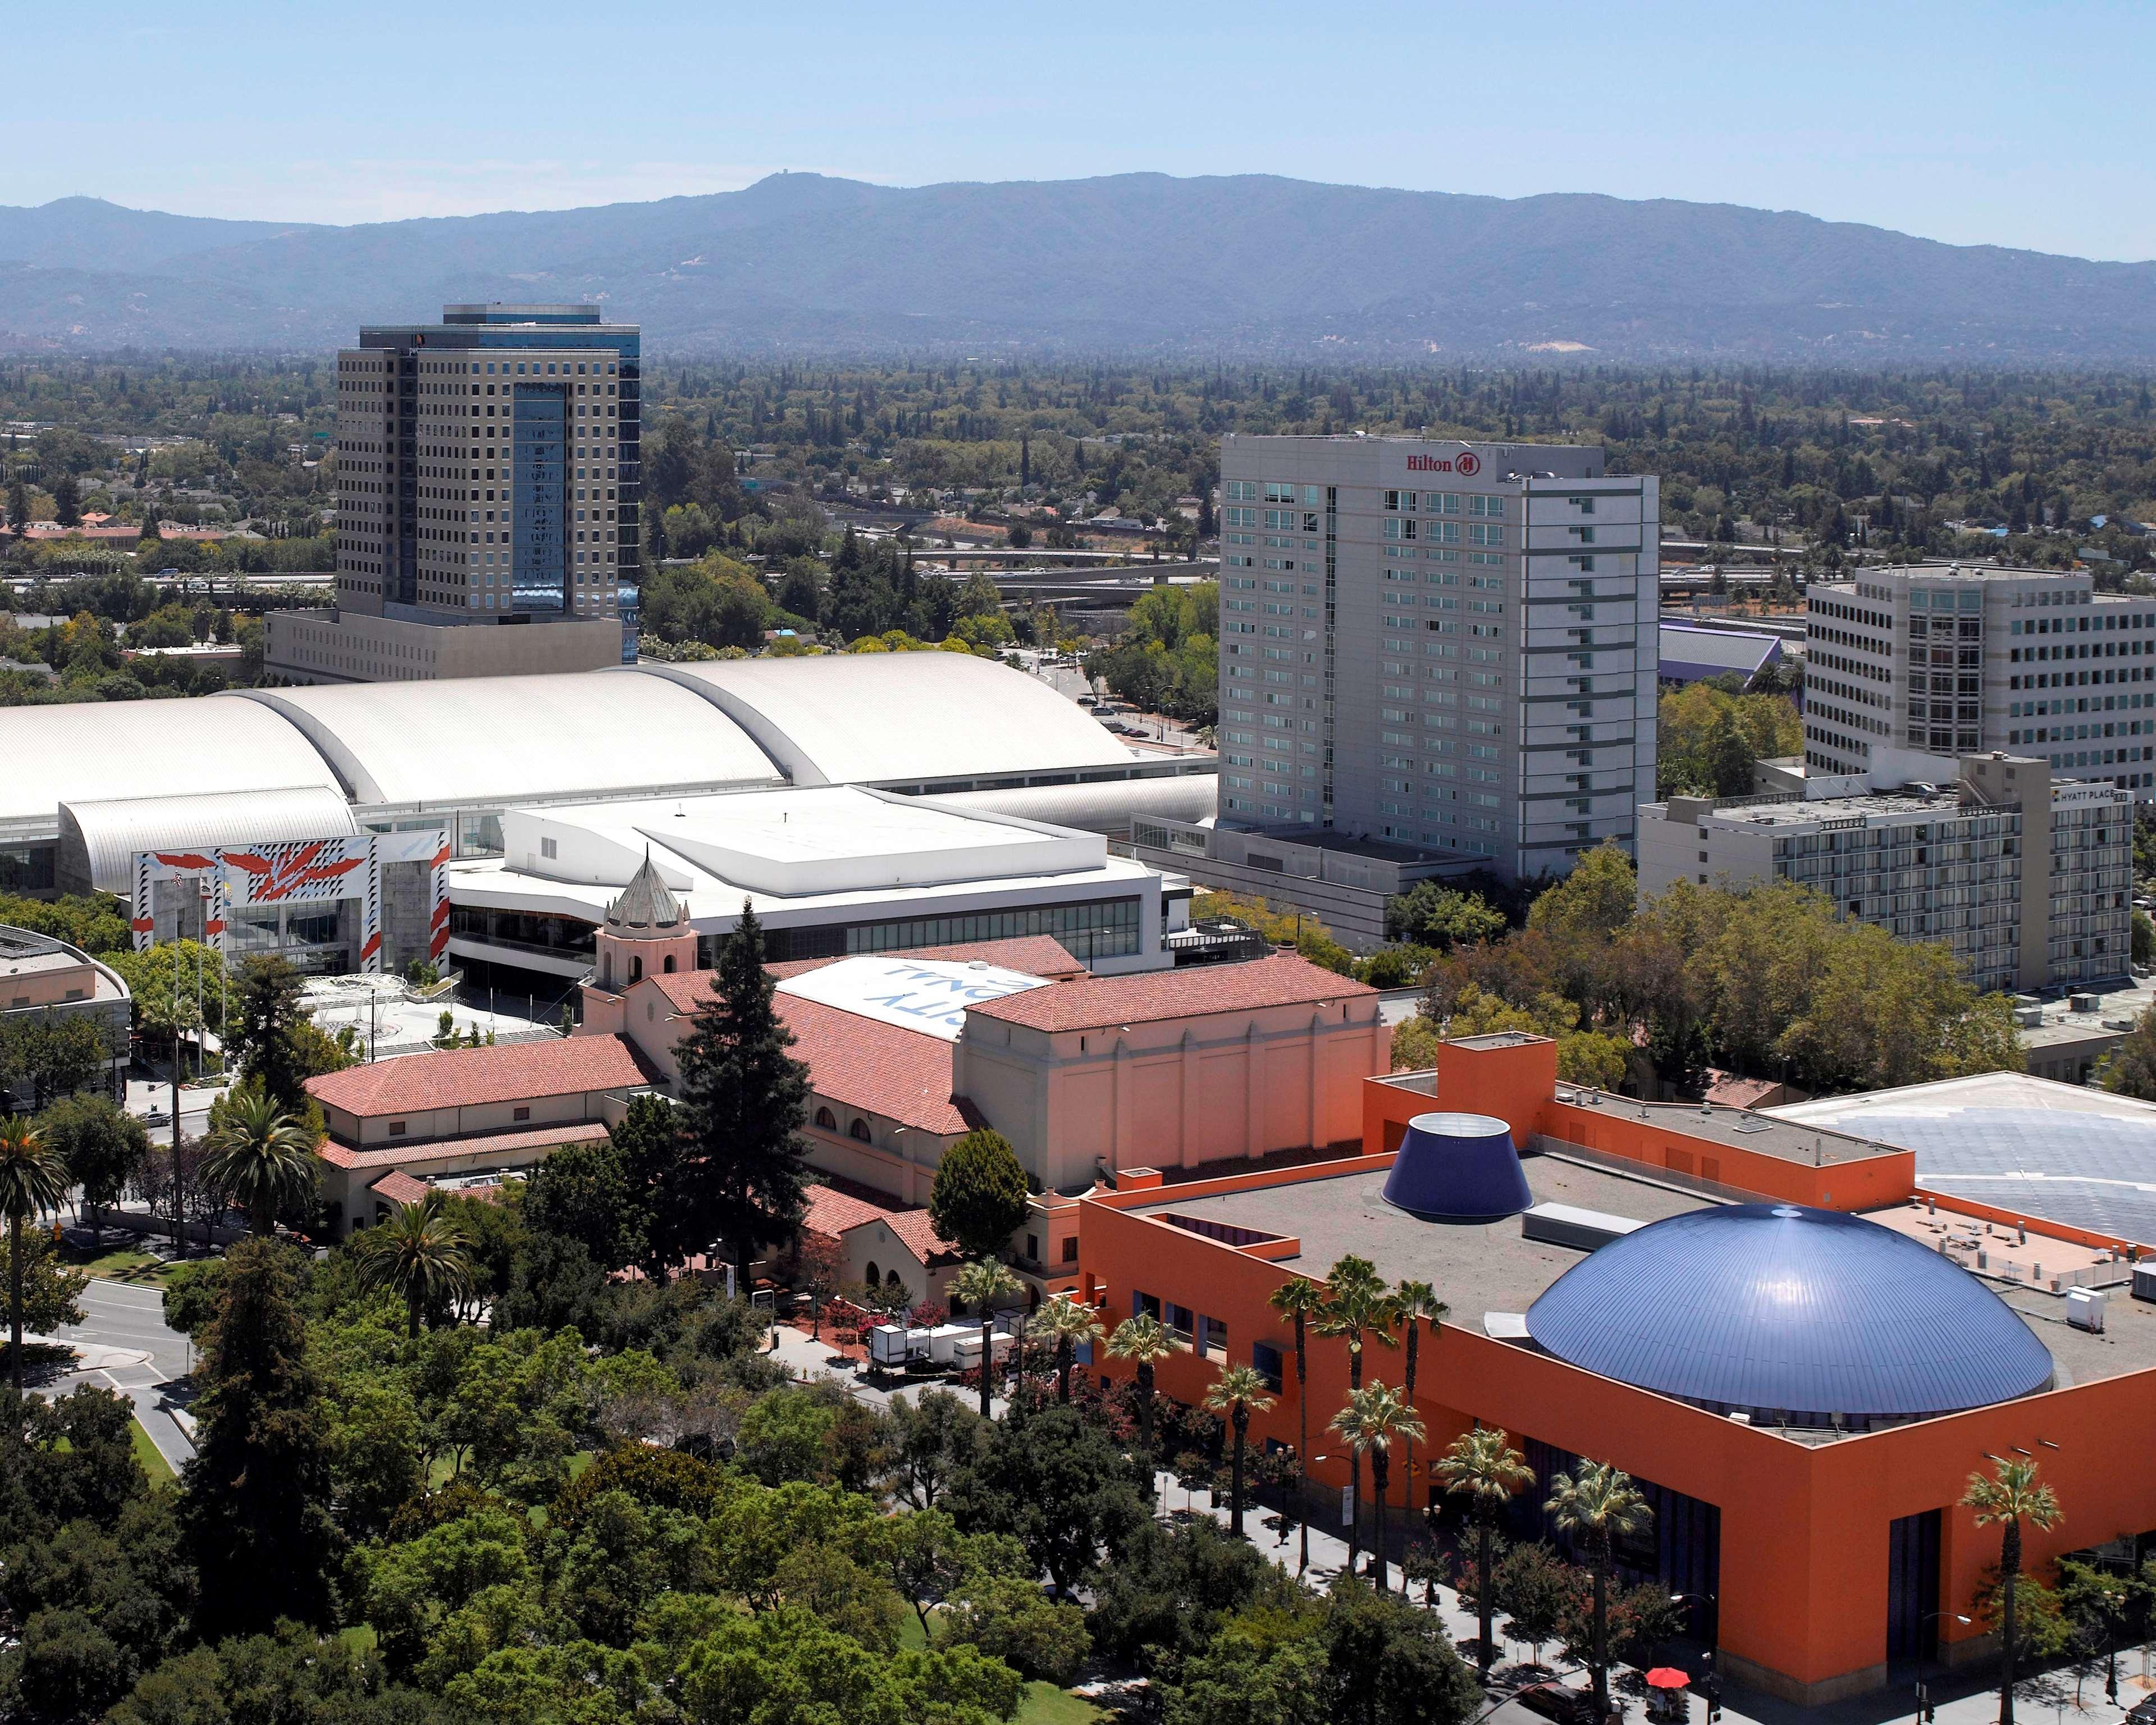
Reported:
(1245, 265)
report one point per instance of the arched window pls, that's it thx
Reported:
(859, 1129)
(826, 1119)
(606, 972)
(873, 1278)
(670, 964)
(636, 970)
(892, 1279)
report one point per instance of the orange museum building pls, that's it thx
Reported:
(1828, 1550)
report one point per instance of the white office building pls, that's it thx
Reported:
(1957, 661)
(1444, 646)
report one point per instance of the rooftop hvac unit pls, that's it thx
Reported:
(2084, 1003)
(2028, 1018)
(2144, 1283)
(2085, 1310)
(1457, 1167)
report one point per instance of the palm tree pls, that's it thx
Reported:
(1413, 1301)
(420, 1254)
(1144, 1341)
(1483, 1466)
(1358, 1307)
(1299, 1300)
(980, 1285)
(1069, 1325)
(261, 1155)
(1599, 1503)
(33, 1178)
(1373, 1419)
(1237, 1393)
(2011, 1496)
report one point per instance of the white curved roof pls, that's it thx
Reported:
(894, 718)
(112, 832)
(495, 738)
(1102, 805)
(100, 750)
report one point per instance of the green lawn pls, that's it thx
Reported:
(145, 1452)
(126, 1264)
(1045, 1704)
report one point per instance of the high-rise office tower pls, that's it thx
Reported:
(1438, 644)
(1957, 661)
(487, 491)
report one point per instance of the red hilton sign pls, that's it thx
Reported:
(1467, 463)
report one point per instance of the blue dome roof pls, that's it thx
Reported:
(1783, 1309)
(1457, 1167)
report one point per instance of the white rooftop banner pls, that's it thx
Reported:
(929, 995)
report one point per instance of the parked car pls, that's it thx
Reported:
(1559, 1702)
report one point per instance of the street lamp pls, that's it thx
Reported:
(1925, 1711)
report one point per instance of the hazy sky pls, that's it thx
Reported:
(2020, 124)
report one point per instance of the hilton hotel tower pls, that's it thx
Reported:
(1438, 643)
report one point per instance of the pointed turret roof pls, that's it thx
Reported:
(647, 904)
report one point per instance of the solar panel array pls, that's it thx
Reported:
(2085, 1169)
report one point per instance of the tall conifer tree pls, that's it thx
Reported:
(741, 1178)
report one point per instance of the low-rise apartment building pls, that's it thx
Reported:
(2026, 877)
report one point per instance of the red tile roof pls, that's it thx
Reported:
(400, 1187)
(1280, 979)
(468, 1077)
(834, 1213)
(493, 1145)
(920, 1238)
(877, 1068)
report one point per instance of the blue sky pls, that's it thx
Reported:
(2009, 124)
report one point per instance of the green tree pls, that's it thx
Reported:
(1441, 918)
(32, 1178)
(1057, 1482)
(979, 1285)
(2129, 1069)
(1300, 1301)
(1482, 1466)
(267, 1022)
(786, 1668)
(1598, 1504)
(1067, 1325)
(56, 1057)
(103, 1145)
(51, 1291)
(1415, 1302)
(2143, 939)
(1374, 1419)
(601, 1194)
(1236, 1393)
(2011, 1495)
(1144, 1341)
(255, 1516)
(979, 1196)
(934, 1438)
(742, 1177)
(1389, 1664)
(1358, 1307)
(420, 1254)
(262, 1157)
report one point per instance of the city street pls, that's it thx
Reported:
(130, 1349)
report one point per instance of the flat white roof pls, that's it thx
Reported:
(784, 850)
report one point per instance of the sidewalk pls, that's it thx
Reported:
(1969, 1697)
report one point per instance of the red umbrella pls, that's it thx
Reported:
(1667, 1677)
